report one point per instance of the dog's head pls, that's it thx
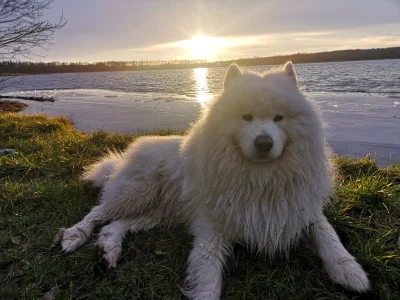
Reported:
(260, 114)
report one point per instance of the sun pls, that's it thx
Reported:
(202, 47)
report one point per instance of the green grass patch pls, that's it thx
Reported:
(40, 191)
(11, 106)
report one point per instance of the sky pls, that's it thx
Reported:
(101, 30)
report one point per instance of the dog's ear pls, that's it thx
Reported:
(231, 74)
(289, 71)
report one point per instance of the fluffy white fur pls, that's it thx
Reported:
(223, 187)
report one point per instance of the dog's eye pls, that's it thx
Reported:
(248, 117)
(278, 118)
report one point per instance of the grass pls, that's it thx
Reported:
(40, 192)
(11, 106)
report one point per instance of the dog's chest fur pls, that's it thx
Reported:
(265, 207)
(270, 225)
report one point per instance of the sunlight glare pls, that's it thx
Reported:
(203, 47)
(200, 76)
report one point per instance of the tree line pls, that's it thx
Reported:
(29, 67)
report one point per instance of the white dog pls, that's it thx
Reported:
(253, 169)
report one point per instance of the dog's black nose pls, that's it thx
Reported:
(264, 143)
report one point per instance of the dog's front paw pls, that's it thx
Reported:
(111, 247)
(348, 273)
(111, 252)
(111, 256)
(71, 238)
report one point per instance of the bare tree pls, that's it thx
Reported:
(23, 30)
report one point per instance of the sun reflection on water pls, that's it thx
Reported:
(200, 76)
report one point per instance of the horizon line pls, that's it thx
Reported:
(205, 60)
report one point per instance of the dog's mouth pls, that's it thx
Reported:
(259, 157)
(263, 157)
(267, 157)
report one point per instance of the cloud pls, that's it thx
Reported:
(232, 47)
(150, 30)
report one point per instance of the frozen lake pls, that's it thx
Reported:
(359, 101)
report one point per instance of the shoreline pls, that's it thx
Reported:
(207, 65)
(357, 125)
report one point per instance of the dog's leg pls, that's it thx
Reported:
(110, 240)
(206, 262)
(112, 235)
(340, 265)
(74, 237)
(116, 201)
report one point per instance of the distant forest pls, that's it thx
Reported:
(21, 67)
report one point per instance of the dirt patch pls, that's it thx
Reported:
(12, 106)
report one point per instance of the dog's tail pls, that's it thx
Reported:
(99, 172)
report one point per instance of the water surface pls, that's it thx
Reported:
(379, 78)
